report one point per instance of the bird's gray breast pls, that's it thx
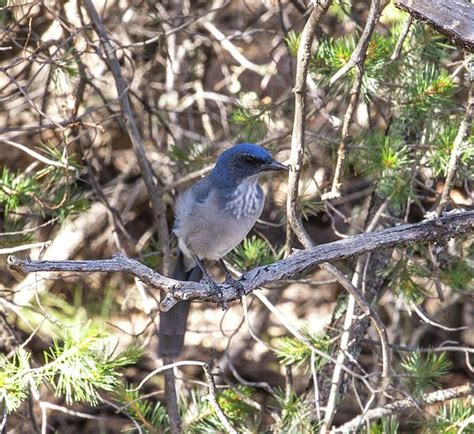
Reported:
(212, 225)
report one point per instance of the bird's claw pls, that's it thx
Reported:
(216, 292)
(235, 284)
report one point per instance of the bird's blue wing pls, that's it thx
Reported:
(197, 194)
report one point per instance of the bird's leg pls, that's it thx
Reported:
(208, 278)
(229, 279)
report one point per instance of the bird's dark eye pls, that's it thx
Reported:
(250, 160)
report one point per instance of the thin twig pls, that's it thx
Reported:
(401, 38)
(233, 50)
(341, 356)
(335, 191)
(37, 155)
(425, 318)
(299, 122)
(356, 60)
(361, 301)
(460, 143)
(296, 333)
(359, 54)
(440, 349)
(211, 385)
(51, 406)
(154, 190)
(10, 250)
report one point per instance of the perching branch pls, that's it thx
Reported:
(449, 226)
(398, 406)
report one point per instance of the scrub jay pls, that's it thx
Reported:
(212, 218)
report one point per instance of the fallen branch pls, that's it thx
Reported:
(449, 226)
(398, 406)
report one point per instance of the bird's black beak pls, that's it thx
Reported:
(275, 165)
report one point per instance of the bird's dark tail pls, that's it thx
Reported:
(173, 323)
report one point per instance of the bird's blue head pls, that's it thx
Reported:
(241, 162)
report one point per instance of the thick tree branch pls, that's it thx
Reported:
(449, 226)
(452, 18)
(398, 406)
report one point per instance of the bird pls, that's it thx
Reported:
(212, 217)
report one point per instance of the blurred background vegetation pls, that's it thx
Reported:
(203, 76)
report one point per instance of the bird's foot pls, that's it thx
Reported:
(215, 291)
(229, 280)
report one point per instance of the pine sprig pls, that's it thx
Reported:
(194, 156)
(250, 122)
(234, 406)
(294, 413)
(81, 365)
(78, 368)
(150, 416)
(253, 252)
(450, 417)
(292, 351)
(423, 370)
(15, 378)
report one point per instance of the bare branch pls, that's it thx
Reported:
(36, 155)
(449, 226)
(212, 397)
(357, 60)
(233, 50)
(297, 139)
(376, 321)
(10, 250)
(401, 38)
(397, 406)
(360, 52)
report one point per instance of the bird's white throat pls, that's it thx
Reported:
(245, 200)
